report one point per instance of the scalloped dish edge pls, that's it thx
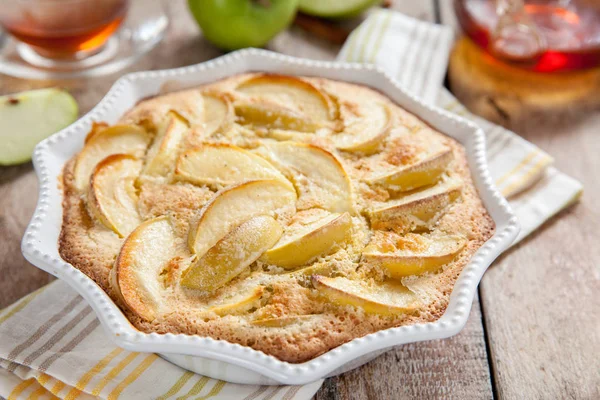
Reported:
(40, 245)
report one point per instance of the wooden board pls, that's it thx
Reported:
(518, 98)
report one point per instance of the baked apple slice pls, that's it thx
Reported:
(296, 94)
(117, 139)
(365, 127)
(223, 165)
(314, 240)
(235, 205)
(239, 303)
(112, 197)
(417, 210)
(389, 298)
(265, 114)
(218, 113)
(135, 276)
(422, 173)
(319, 177)
(231, 255)
(165, 149)
(283, 135)
(97, 127)
(319, 268)
(400, 260)
(150, 113)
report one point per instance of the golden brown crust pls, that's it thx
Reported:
(301, 324)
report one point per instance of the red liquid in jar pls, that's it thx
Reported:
(571, 30)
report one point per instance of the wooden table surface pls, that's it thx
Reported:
(534, 331)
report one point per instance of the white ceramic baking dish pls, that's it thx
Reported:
(221, 359)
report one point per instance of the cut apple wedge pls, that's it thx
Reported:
(311, 241)
(223, 165)
(297, 94)
(135, 277)
(235, 205)
(319, 177)
(423, 173)
(218, 113)
(112, 195)
(278, 322)
(438, 250)
(365, 128)
(388, 298)
(238, 304)
(231, 255)
(165, 149)
(415, 211)
(27, 118)
(117, 139)
(272, 116)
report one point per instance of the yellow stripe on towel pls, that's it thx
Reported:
(524, 180)
(198, 386)
(139, 370)
(380, 36)
(21, 304)
(368, 35)
(113, 373)
(517, 167)
(20, 388)
(214, 391)
(185, 377)
(89, 375)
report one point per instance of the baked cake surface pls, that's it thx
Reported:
(288, 214)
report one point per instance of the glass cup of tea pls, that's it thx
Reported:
(58, 30)
(63, 39)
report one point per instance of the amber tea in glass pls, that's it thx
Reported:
(541, 35)
(62, 29)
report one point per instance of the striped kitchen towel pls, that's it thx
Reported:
(51, 345)
(416, 54)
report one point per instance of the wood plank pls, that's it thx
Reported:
(18, 187)
(540, 300)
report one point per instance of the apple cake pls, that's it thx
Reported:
(288, 214)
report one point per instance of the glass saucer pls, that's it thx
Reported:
(144, 27)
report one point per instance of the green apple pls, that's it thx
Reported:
(335, 8)
(28, 117)
(234, 24)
